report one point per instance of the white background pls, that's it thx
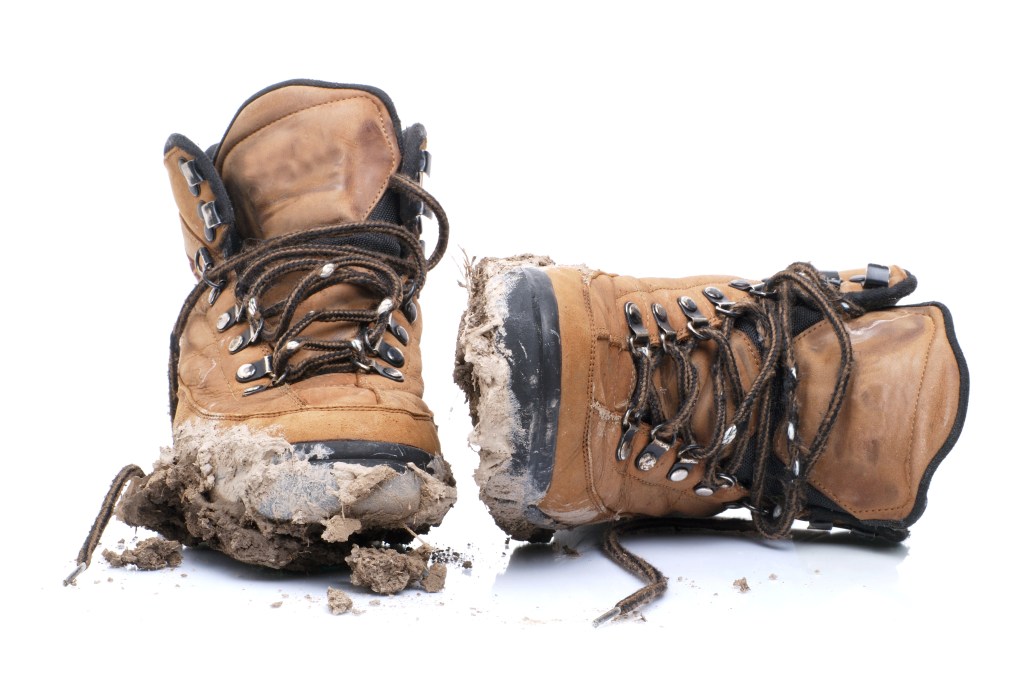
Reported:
(709, 138)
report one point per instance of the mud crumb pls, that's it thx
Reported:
(569, 551)
(121, 541)
(340, 529)
(741, 585)
(467, 564)
(387, 571)
(434, 580)
(110, 579)
(449, 556)
(184, 575)
(772, 576)
(149, 555)
(337, 601)
(375, 602)
(817, 571)
(276, 605)
(96, 582)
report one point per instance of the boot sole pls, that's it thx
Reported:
(510, 365)
(261, 500)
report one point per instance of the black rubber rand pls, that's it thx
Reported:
(532, 340)
(368, 453)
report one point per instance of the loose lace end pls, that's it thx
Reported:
(70, 580)
(612, 613)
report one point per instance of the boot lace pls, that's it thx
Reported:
(739, 419)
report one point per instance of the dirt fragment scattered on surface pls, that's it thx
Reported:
(569, 551)
(434, 580)
(467, 564)
(741, 584)
(375, 602)
(149, 555)
(449, 556)
(276, 605)
(388, 571)
(772, 576)
(337, 601)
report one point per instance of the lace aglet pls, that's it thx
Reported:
(612, 613)
(70, 580)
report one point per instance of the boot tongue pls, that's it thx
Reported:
(304, 155)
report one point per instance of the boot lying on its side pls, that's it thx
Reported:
(811, 395)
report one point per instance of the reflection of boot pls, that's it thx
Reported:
(296, 387)
(807, 396)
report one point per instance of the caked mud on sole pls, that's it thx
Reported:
(261, 500)
(508, 362)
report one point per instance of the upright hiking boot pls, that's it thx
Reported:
(296, 390)
(808, 395)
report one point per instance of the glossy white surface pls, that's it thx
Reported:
(717, 138)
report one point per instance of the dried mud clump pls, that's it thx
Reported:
(337, 601)
(388, 571)
(252, 495)
(741, 584)
(434, 580)
(149, 555)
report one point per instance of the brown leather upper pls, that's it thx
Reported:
(901, 405)
(295, 158)
(305, 156)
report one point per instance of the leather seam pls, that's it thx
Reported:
(300, 410)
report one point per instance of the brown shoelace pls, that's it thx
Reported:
(774, 501)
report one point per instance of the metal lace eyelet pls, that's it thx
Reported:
(723, 305)
(193, 178)
(639, 341)
(211, 219)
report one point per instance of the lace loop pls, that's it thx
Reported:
(739, 417)
(275, 277)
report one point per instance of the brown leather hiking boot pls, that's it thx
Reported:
(295, 371)
(809, 395)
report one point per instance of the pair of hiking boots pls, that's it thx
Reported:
(295, 369)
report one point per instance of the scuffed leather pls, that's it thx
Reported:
(901, 406)
(297, 157)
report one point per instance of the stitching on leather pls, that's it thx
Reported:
(591, 363)
(332, 409)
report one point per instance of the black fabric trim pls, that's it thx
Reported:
(879, 298)
(230, 243)
(380, 94)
